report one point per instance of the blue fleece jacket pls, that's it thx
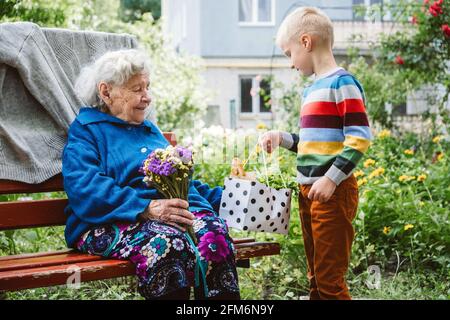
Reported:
(101, 178)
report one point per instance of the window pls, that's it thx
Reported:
(399, 110)
(246, 98)
(255, 94)
(264, 96)
(256, 12)
(359, 5)
(357, 15)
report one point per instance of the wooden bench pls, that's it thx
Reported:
(33, 270)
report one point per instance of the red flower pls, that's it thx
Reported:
(414, 20)
(426, 1)
(399, 60)
(446, 29)
(436, 9)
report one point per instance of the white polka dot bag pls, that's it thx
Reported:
(253, 206)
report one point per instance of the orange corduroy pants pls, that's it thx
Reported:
(328, 235)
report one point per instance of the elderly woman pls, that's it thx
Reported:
(111, 211)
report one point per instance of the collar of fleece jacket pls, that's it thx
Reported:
(92, 115)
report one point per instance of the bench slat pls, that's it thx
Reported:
(244, 247)
(34, 255)
(256, 249)
(11, 187)
(44, 261)
(26, 261)
(243, 240)
(41, 271)
(32, 213)
(53, 253)
(57, 275)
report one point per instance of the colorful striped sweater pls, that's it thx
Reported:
(334, 129)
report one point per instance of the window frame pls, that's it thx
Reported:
(254, 22)
(256, 99)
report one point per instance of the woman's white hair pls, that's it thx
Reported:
(114, 68)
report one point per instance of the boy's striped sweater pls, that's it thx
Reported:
(334, 129)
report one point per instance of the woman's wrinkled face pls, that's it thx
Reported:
(129, 101)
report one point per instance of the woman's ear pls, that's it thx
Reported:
(104, 92)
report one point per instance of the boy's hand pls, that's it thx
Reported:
(322, 190)
(270, 140)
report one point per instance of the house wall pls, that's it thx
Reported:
(182, 23)
(210, 29)
(222, 77)
(222, 35)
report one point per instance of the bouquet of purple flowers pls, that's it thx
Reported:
(168, 171)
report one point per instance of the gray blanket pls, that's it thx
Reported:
(38, 67)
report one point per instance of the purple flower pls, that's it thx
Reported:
(185, 154)
(157, 167)
(213, 247)
(168, 170)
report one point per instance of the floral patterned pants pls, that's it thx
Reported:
(165, 260)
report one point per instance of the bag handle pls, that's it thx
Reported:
(278, 171)
(265, 167)
(256, 150)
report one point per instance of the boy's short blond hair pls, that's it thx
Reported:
(310, 20)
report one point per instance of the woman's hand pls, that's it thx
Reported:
(171, 211)
(270, 140)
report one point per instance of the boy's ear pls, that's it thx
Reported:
(306, 42)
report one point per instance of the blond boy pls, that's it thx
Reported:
(334, 134)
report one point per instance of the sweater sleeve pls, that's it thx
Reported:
(212, 195)
(351, 107)
(93, 196)
(289, 141)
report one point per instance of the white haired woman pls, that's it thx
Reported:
(112, 213)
